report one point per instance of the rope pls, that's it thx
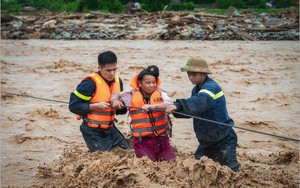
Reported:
(228, 125)
(21, 95)
(234, 126)
(175, 112)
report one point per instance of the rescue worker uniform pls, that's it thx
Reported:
(97, 128)
(216, 141)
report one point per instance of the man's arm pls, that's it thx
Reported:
(79, 99)
(194, 105)
(177, 108)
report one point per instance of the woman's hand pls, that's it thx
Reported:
(146, 107)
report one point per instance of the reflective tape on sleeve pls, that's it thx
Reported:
(83, 97)
(214, 96)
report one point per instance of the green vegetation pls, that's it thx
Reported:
(10, 6)
(154, 5)
(64, 5)
(287, 3)
(228, 3)
(255, 10)
(120, 6)
(189, 6)
(214, 11)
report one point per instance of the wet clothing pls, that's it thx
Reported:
(224, 152)
(216, 141)
(155, 122)
(103, 119)
(156, 148)
(149, 128)
(102, 139)
(95, 138)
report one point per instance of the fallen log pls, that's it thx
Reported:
(23, 19)
(242, 34)
(211, 15)
(50, 18)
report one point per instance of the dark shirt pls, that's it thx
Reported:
(203, 105)
(87, 88)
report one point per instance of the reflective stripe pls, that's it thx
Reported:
(147, 120)
(83, 97)
(214, 96)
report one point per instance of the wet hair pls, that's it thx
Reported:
(150, 70)
(106, 57)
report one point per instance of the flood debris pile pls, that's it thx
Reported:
(120, 168)
(244, 25)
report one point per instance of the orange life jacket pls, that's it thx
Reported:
(154, 122)
(102, 118)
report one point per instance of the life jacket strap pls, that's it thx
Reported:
(111, 113)
(99, 123)
(139, 111)
(147, 120)
(150, 129)
(135, 112)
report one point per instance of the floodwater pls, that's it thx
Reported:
(41, 144)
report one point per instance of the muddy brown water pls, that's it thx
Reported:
(41, 144)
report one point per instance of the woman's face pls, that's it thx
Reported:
(148, 84)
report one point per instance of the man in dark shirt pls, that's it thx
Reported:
(216, 141)
(91, 101)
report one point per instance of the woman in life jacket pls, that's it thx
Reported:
(149, 122)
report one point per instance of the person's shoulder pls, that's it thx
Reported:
(162, 92)
(87, 82)
(159, 89)
(210, 81)
(211, 85)
(86, 87)
(90, 76)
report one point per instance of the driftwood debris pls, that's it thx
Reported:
(243, 34)
(164, 25)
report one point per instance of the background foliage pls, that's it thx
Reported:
(119, 6)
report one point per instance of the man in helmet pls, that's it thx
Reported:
(216, 141)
